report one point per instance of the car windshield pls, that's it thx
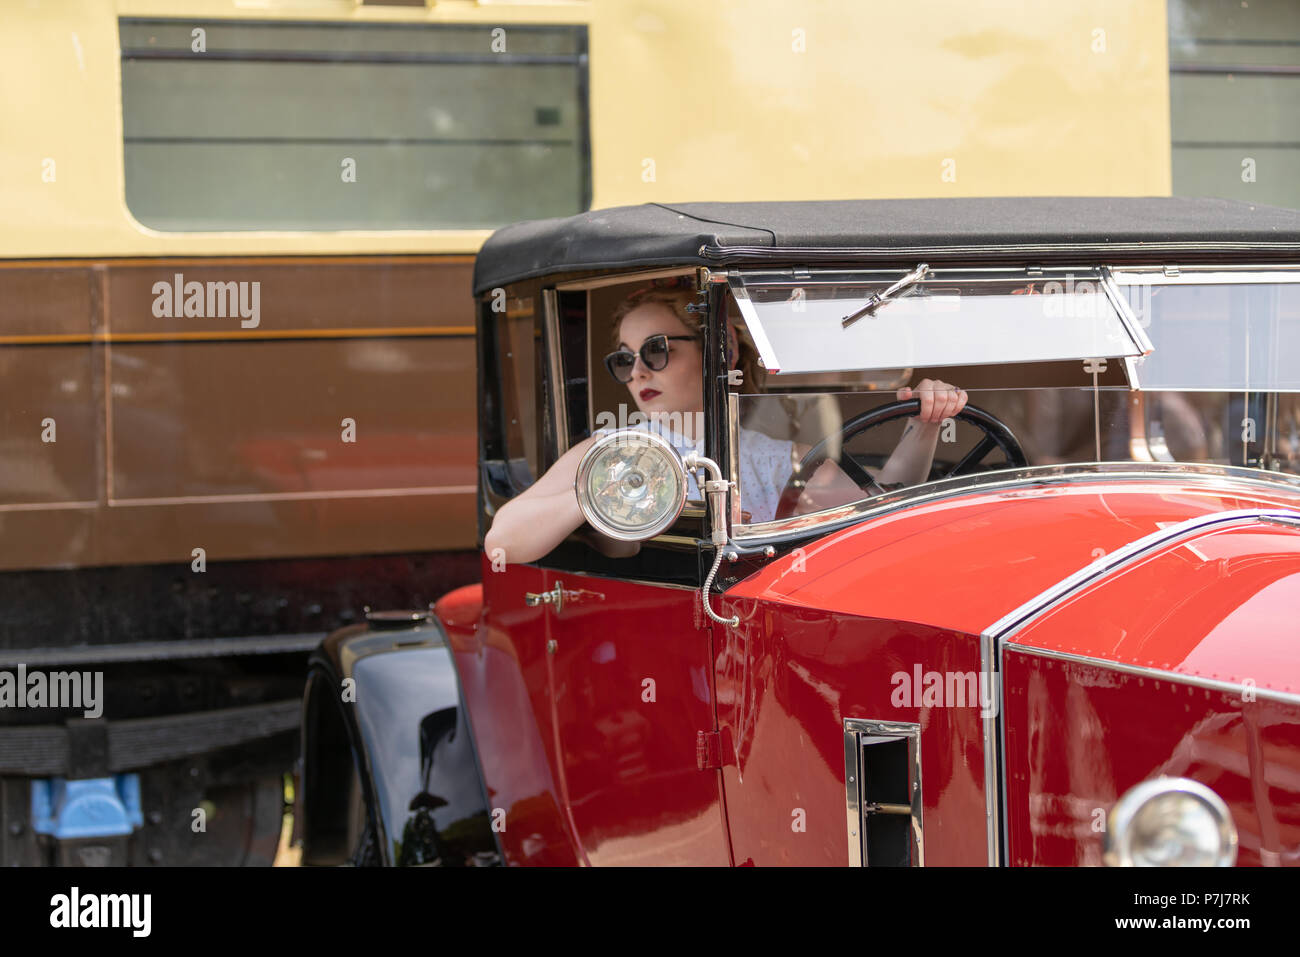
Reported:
(1219, 383)
(815, 322)
(1217, 330)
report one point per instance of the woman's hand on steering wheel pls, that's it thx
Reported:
(945, 401)
(939, 400)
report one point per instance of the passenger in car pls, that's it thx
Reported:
(659, 357)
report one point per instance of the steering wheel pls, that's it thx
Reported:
(996, 435)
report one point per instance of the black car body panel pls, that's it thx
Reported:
(383, 703)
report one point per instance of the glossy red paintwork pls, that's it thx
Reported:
(1080, 735)
(625, 788)
(1221, 605)
(589, 769)
(787, 677)
(631, 687)
(963, 563)
(461, 608)
(825, 630)
(503, 675)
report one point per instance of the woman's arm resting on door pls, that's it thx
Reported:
(531, 525)
(538, 519)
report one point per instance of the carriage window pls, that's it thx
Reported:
(236, 125)
(1234, 93)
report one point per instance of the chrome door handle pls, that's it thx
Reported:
(553, 597)
(558, 595)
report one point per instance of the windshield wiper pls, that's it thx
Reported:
(880, 298)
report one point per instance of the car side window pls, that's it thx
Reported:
(591, 400)
(571, 318)
(518, 359)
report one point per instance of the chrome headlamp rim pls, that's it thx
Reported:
(1118, 850)
(623, 437)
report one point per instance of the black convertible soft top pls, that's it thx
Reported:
(710, 234)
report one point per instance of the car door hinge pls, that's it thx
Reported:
(708, 750)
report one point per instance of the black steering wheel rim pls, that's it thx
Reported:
(997, 434)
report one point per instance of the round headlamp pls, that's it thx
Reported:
(631, 485)
(1170, 822)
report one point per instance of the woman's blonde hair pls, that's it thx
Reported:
(676, 294)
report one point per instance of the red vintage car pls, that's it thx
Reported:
(977, 543)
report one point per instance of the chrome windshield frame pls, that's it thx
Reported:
(1179, 275)
(1127, 316)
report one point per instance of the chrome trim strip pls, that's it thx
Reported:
(1218, 390)
(645, 581)
(554, 370)
(1156, 674)
(992, 752)
(830, 520)
(1102, 567)
(855, 729)
(847, 275)
(1204, 275)
(852, 781)
(1131, 366)
(667, 539)
(1004, 844)
(733, 435)
(1279, 520)
(570, 570)
(777, 274)
(807, 254)
(1126, 315)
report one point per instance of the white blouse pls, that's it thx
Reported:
(765, 466)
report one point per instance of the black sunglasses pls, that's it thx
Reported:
(653, 352)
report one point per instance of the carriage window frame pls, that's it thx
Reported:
(275, 165)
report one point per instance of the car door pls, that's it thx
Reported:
(631, 674)
(631, 680)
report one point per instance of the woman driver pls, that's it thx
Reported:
(537, 520)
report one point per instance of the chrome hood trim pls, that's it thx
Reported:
(1013, 621)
